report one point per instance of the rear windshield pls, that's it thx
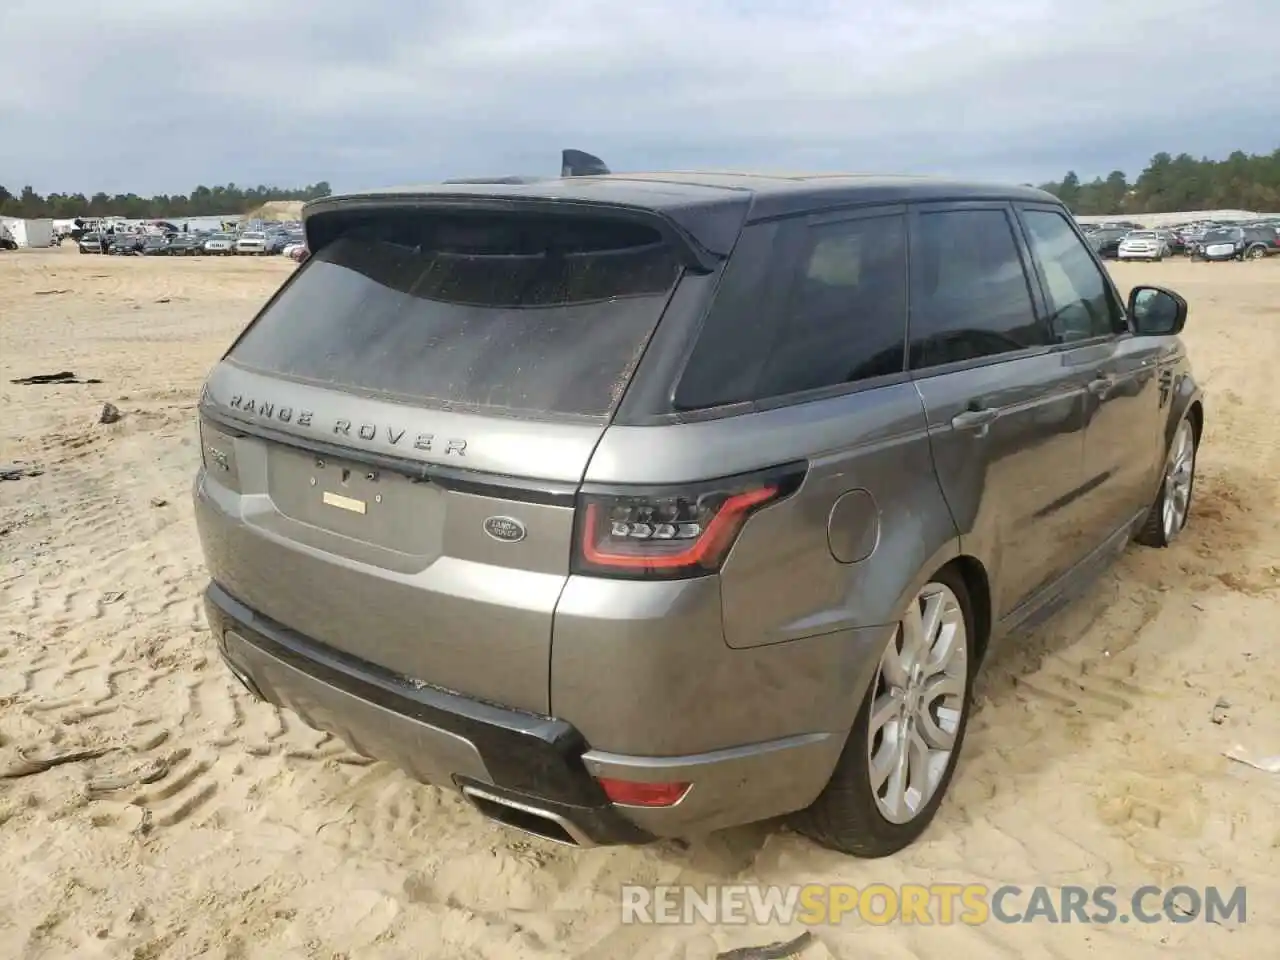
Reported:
(527, 315)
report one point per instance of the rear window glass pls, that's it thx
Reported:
(531, 315)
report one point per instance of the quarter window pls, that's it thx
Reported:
(846, 318)
(969, 292)
(1082, 304)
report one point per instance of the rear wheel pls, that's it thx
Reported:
(1173, 503)
(902, 751)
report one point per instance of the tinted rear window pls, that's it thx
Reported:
(532, 315)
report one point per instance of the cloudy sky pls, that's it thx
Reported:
(156, 96)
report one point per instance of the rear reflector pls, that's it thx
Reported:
(644, 794)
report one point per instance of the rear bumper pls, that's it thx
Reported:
(505, 760)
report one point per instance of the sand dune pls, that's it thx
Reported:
(189, 820)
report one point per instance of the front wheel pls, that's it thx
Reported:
(1256, 253)
(902, 751)
(1173, 503)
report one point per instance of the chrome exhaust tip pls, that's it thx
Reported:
(527, 818)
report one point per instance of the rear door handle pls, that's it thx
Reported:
(1101, 386)
(971, 419)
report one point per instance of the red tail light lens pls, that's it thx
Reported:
(668, 533)
(634, 794)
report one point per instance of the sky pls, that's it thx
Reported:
(157, 96)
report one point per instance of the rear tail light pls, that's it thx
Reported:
(634, 794)
(667, 533)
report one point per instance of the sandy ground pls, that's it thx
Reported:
(210, 825)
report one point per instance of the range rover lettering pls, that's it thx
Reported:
(637, 506)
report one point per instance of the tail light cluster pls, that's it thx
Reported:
(667, 533)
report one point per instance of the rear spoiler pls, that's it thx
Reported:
(325, 218)
(573, 163)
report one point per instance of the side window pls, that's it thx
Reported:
(1081, 303)
(969, 292)
(846, 317)
(733, 345)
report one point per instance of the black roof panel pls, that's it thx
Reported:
(711, 206)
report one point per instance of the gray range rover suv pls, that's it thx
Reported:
(639, 506)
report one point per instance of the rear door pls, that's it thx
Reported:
(1124, 436)
(1005, 412)
(393, 446)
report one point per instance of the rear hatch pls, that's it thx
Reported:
(393, 447)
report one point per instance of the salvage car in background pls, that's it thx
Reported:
(185, 245)
(1220, 243)
(1142, 245)
(253, 243)
(220, 244)
(1106, 241)
(1261, 242)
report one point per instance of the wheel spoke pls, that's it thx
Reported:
(896, 793)
(885, 760)
(931, 620)
(949, 644)
(915, 641)
(920, 786)
(895, 672)
(940, 733)
(884, 710)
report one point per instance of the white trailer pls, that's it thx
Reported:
(30, 233)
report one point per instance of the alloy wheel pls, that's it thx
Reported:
(1178, 479)
(919, 704)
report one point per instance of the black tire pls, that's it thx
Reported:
(1155, 532)
(1256, 252)
(845, 816)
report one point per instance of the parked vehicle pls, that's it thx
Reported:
(1260, 242)
(448, 515)
(220, 244)
(155, 246)
(1221, 243)
(1106, 242)
(124, 244)
(185, 245)
(253, 243)
(1142, 245)
(1172, 241)
(91, 243)
(299, 252)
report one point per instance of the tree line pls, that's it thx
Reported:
(1170, 184)
(202, 202)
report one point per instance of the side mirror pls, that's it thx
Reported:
(1157, 312)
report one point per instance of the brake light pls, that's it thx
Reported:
(664, 533)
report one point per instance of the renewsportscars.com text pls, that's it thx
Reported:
(928, 904)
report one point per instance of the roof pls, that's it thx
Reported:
(711, 206)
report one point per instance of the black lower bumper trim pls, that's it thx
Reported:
(537, 759)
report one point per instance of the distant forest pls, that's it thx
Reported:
(1170, 184)
(203, 202)
(1241, 181)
